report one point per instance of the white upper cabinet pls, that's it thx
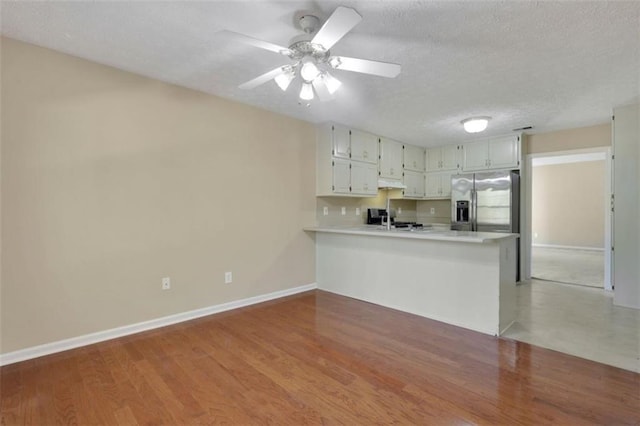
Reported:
(475, 156)
(364, 178)
(413, 158)
(341, 176)
(504, 152)
(390, 159)
(414, 182)
(494, 153)
(449, 157)
(442, 158)
(346, 162)
(341, 142)
(438, 185)
(364, 147)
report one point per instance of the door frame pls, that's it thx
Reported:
(526, 231)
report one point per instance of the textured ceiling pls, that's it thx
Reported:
(552, 65)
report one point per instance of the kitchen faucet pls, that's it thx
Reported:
(388, 211)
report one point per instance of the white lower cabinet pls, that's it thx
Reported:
(414, 182)
(438, 185)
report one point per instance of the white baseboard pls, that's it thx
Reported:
(568, 247)
(101, 336)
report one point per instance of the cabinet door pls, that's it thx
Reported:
(432, 185)
(341, 176)
(449, 157)
(475, 156)
(413, 158)
(414, 182)
(364, 178)
(390, 159)
(504, 152)
(433, 157)
(340, 141)
(445, 185)
(364, 147)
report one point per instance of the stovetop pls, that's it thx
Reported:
(407, 224)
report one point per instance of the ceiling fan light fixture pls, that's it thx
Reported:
(331, 82)
(335, 62)
(309, 71)
(284, 80)
(475, 124)
(306, 93)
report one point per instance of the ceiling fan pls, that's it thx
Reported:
(312, 58)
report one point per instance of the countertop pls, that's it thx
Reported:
(437, 234)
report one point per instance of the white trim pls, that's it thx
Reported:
(569, 158)
(568, 152)
(101, 336)
(526, 203)
(567, 247)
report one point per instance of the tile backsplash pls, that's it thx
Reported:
(335, 205)
(411, 210)
(441, 211)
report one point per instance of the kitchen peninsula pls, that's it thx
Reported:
(462, 278)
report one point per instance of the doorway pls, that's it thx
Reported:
(570, 218)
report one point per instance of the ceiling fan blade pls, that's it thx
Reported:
(261, 79)
(321, 90)
(256, 42)
(382, 69)
(341, 21)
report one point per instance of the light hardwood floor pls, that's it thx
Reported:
(316, 358)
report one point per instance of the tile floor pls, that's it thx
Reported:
(577, 320)
(574, 266)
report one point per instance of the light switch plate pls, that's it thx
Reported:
(325, 211)
(343, 211)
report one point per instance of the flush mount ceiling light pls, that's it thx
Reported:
(312, 59)
(475, 124)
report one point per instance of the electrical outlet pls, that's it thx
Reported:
(433, 210)
(228, 277)
(399, 210)
(357, 211)
(166, 283)
(343, 211)
(325, 211)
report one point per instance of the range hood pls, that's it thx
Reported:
(390, 184)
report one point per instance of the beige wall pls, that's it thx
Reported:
(111, 181)
(568, 204)
(567, 140)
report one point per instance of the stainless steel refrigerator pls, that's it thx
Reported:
(486, 202)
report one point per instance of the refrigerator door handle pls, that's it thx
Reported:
(474, 210)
